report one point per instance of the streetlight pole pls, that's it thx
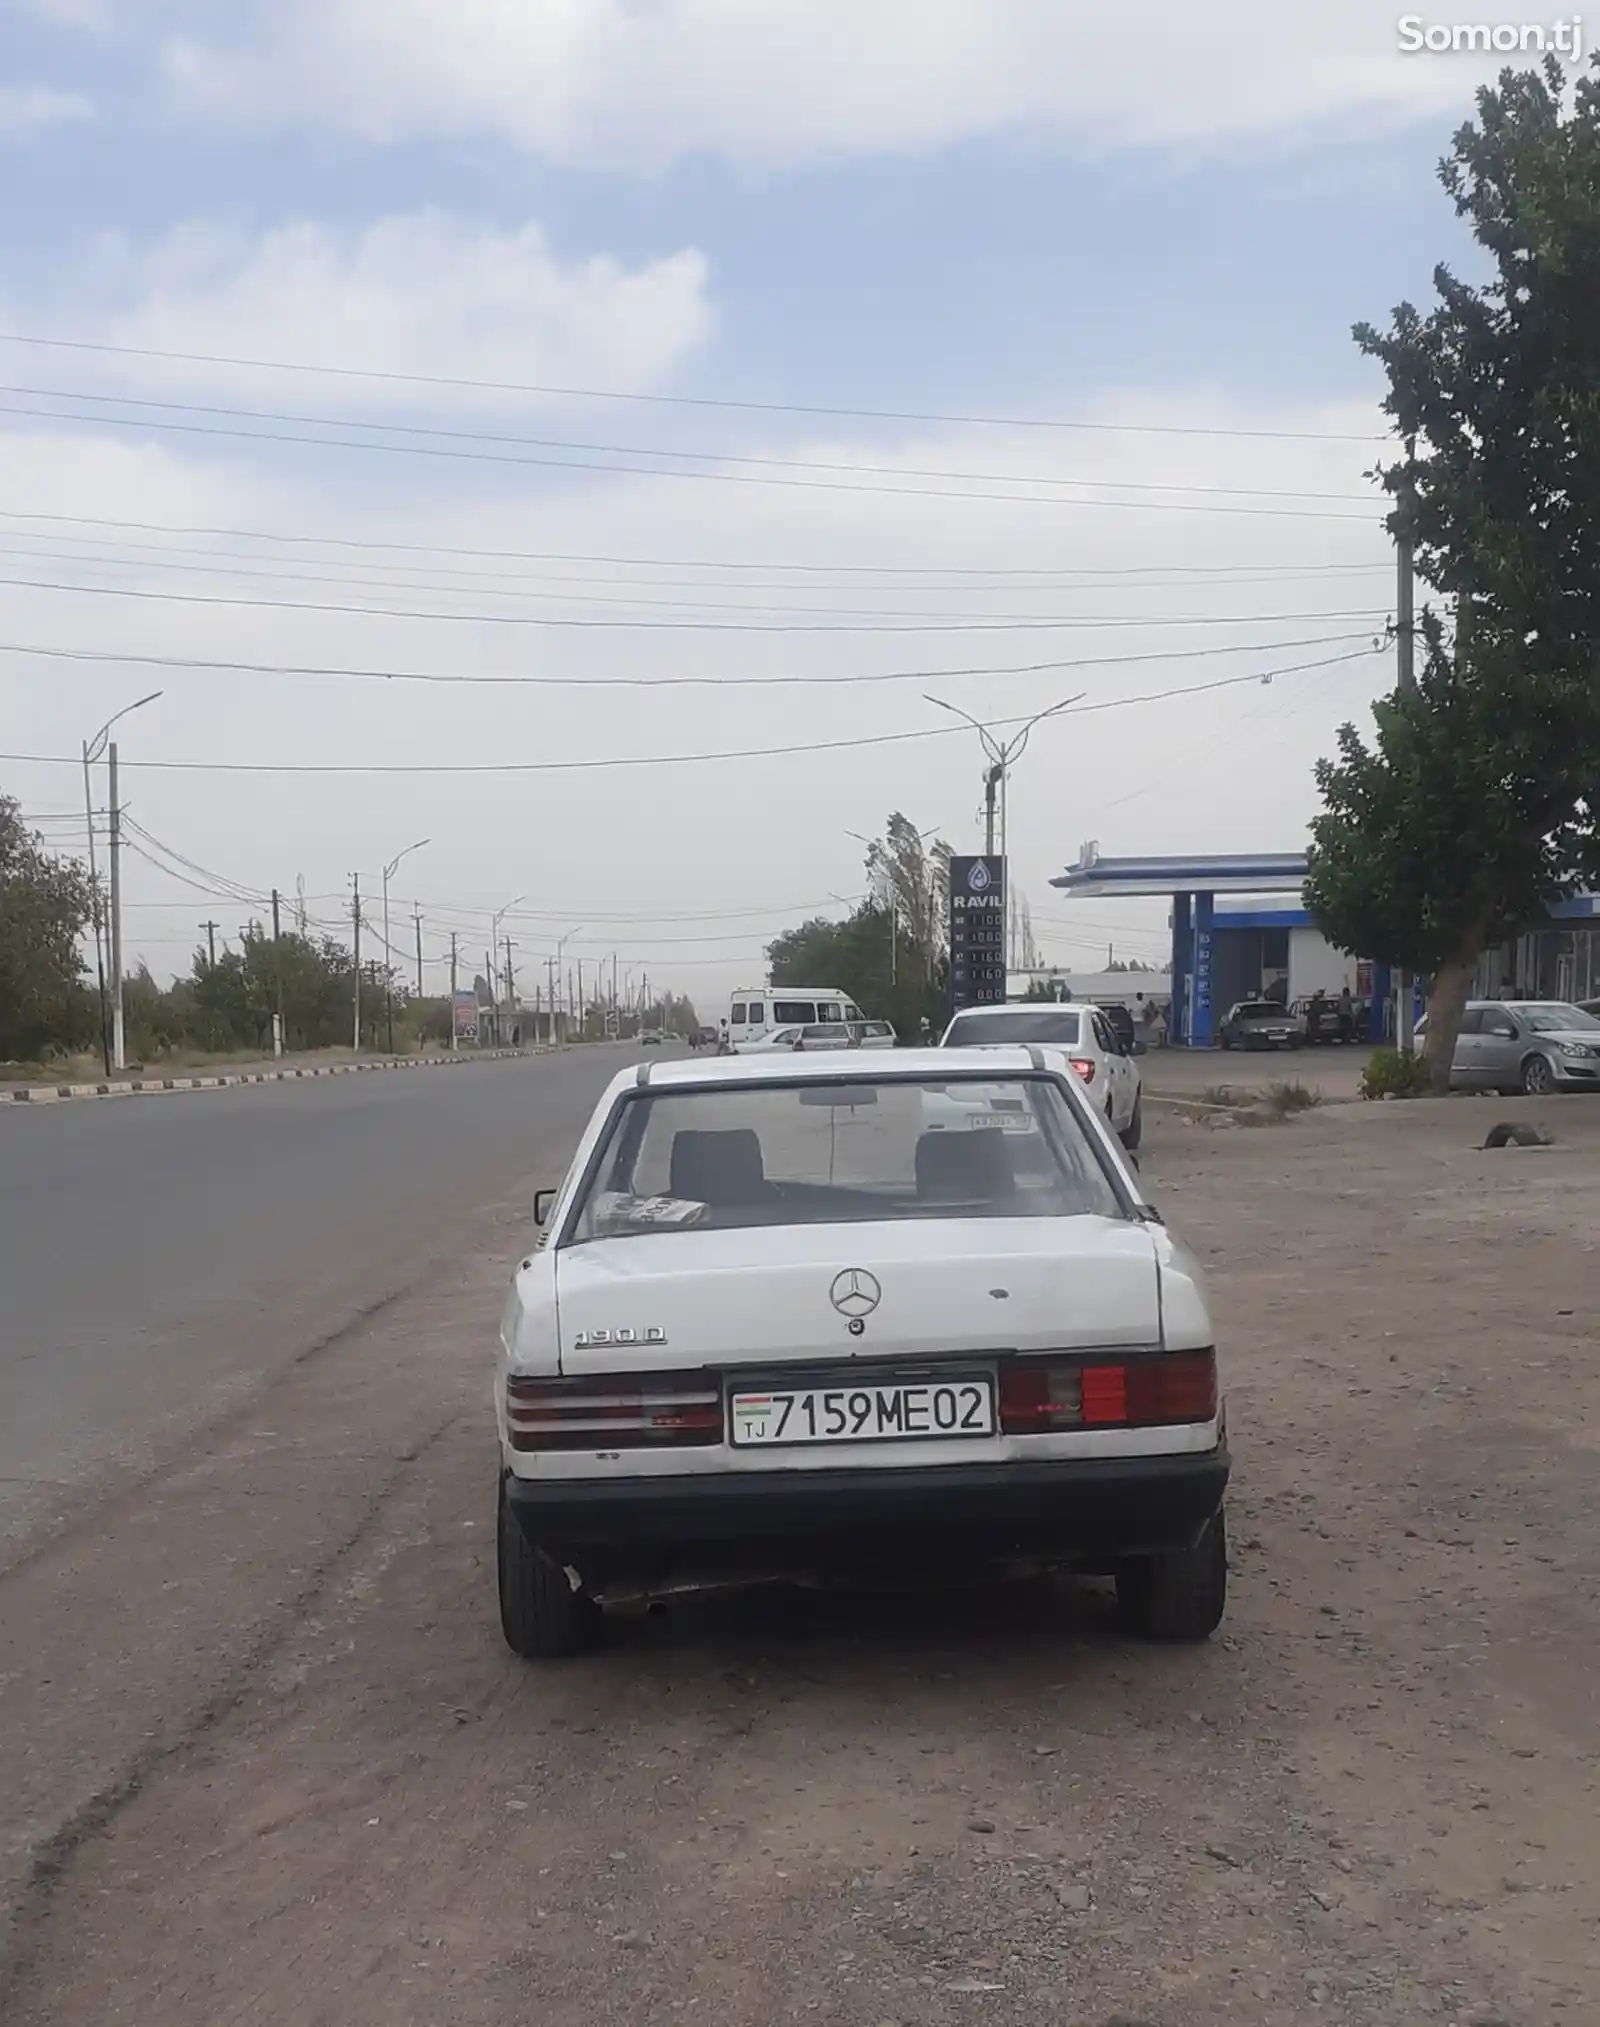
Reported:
(494, 952)
(114, 1054)
(1002, 757)
(561, 944)
(388, 954)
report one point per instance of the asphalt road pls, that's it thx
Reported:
(162, 1257)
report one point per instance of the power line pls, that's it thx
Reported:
(378, 375)
(463, 911)
(677, 563)
(410, 429)
(280, 575)
(659, 472)
(483, 767)
(197, 663)
(674, 625)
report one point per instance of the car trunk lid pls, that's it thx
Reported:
(789, 1294)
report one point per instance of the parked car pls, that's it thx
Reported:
(1535, 1046)
(1321, 1020)
(1260, 1024)
(1077, 1031)
(765, 1337)
(785, 1041)
(875, 1034)
(652, 1038)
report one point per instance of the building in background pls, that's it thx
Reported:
(1240, 930)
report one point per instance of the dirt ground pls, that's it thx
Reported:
(1332, 1071)
(275, 1766)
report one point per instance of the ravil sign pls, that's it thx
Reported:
(977, 932)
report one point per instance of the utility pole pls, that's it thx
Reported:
(93, 748)
(455, 1039)
(211, 929)
(1406, 669)
(511, 981)
(550, 972)
(388, 970)
(581, 1009)
(417, 918)
(355, 917)
(279, 1036)
(990, 781)
(388, 948)
(118, 1038)
(99, 918)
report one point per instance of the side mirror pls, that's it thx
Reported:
(542, 1199)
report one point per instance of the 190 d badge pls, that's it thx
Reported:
(601, 1340)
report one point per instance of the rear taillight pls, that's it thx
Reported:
(613, 1413)
(1084, 1065)
(1038, 1395)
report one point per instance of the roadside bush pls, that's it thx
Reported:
(1290, 1095)
(1389, 1074)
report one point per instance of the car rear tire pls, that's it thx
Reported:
(542, 1617)
(1538, 1079)
(1133, 1132)
(1180, 1595)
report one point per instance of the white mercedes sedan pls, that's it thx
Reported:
(780, 1326)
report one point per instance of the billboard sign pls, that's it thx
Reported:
(466, 1016)
(977, 931)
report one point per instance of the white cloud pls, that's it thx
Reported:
(617, 85)
(1228, 770)
(27, 110)
(425, 293)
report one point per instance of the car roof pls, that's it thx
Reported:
(680, 1073)
(1022, 1007)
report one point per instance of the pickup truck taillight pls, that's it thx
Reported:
(1039, 1395)
(613, 1413)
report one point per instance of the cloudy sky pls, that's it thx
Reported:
(463, 413)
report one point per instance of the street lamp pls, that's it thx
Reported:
(555, 971)
(1001, 758)
(111, 1046)
(388, 968)
(495, 920)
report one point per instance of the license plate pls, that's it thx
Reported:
(882, 1412)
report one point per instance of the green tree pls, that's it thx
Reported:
(1444, 836)
(871, 958)
(45, 906)
(1471, 809)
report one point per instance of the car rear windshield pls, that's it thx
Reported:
(723, 1158)
(1262, 1010)
(1057, 1025)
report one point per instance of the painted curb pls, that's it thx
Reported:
(154, 1086)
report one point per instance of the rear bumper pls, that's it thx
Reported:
(1087, 1512)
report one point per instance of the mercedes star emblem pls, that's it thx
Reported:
(855, 1293)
